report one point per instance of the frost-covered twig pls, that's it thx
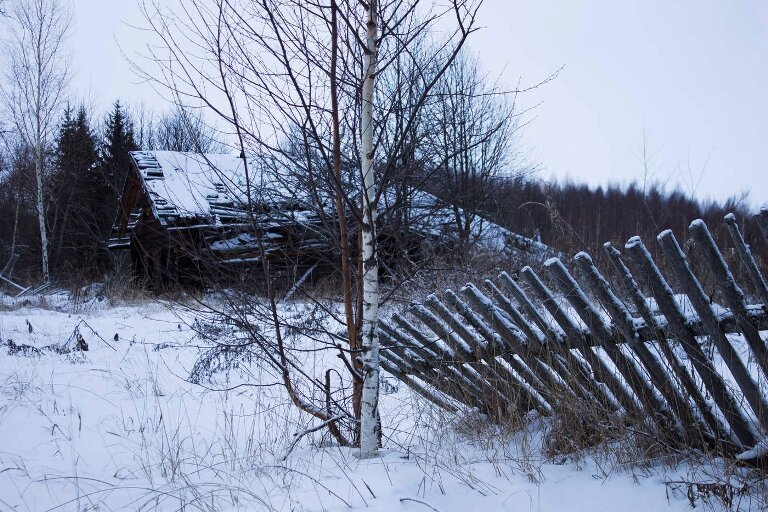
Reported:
(419, 501)
(299, 435)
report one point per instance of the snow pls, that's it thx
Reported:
(759, 450)
(121, 428)
(201, 186)
(197, 184)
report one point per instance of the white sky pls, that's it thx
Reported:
(691, 74)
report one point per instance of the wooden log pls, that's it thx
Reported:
(676, 368)
(486, 348)
(745, 253)
(590, 316)
(499, 390)
(547, 381)
(700, 302)
(739, 425)
(576, 339)
(624, 321)
(731, 293)
(573, 365)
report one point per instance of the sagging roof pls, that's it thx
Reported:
(203, 186)
(192, 189)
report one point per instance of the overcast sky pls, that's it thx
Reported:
(689, 74)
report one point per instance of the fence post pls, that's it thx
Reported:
(700, 302)
(748, 259)
(624, 321)
(679, 325)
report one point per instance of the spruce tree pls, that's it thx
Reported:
(114, 163)
(73, 199)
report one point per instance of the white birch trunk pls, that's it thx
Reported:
(39, 164)
(370, 426)
(36, 70)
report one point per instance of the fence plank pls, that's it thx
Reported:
(679, 325)
(428, 368)
(731, 293)
(700, 302)
(396, 371)
(504, 355)
(445, 323)
(762, 221)
(486, 351)
(516, 344)
(589, 315)
(576, 366)
(464, 354)
(676, 368)
(576, 337)
(550, 355)
(442, 356)
(745, 253)
(624, 321)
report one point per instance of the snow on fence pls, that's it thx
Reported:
(635, 354)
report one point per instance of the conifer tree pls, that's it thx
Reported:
(114, 163)
(76, 238)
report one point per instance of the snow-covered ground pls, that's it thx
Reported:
(119, 427)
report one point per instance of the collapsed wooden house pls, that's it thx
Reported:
(192, 218)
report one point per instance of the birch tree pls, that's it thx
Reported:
(296, 83)
(370, 424)
(36, 74)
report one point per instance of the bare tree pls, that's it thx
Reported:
(184, 129)
(37, 77)
(297, 84)
(473, 139)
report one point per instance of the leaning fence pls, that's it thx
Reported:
(627, 351)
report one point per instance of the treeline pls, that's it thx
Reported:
(88, 161)
(86, 166)
(572, 217)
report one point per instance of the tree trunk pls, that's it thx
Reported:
(370, 424)
(40, 203)
(346, 267)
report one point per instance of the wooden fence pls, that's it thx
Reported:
(637, 352)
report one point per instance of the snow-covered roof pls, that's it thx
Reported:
(194, 185)
(434, 217)
(208, 188)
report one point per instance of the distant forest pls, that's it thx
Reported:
(572, 217)
(87, 167)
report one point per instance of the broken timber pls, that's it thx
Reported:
(611, 353)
